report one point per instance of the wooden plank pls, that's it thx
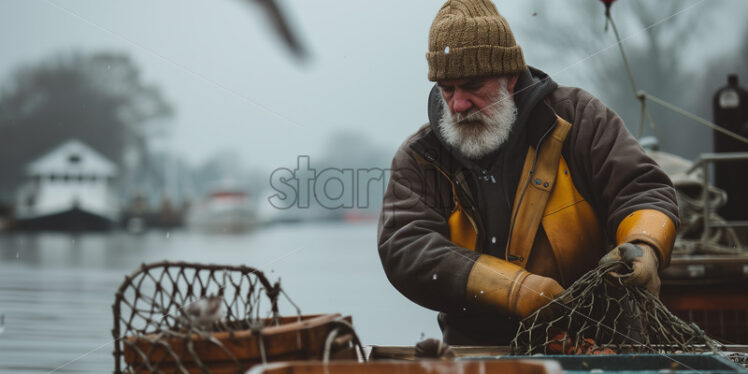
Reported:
(418, 367)
(408, 352)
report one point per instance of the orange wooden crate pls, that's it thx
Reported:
(292, 339)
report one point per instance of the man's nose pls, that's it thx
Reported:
(461, 101)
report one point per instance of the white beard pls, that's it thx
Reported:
(475, 133)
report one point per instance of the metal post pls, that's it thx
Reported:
(705, 197)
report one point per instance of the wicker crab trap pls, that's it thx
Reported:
(598, 314)
(176, 317)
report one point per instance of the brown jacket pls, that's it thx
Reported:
(437, 213)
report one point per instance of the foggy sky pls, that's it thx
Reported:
(234, 86)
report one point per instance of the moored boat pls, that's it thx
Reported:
(226, 210)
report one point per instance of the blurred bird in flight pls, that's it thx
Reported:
(281, 25)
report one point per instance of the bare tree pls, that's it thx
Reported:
(99, 99)
(663, 37)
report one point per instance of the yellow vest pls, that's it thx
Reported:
(546, 195)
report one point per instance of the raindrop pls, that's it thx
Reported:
(481, 292)
(464, 309)
(168, 235)
(434, 277)
(18, 254)
(446, 50)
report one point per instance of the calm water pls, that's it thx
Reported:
(56, 290)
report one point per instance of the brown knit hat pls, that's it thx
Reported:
(469, 38)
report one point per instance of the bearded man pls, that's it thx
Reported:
(515, 188)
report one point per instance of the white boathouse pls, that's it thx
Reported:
(72, 177)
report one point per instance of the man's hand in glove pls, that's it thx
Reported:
(508, 288)
(534, 293)
(643, 261)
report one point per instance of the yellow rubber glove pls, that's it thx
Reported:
(500, 285)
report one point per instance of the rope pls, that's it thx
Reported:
(342, 326)
(691, 237)
(642, 96)
(694, 117)
(623, 53)
(630, 74)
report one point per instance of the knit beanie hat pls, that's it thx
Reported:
(469, 38)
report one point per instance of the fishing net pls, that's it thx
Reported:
(195, 318)
(598, 314)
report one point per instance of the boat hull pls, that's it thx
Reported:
(709, 290)
(74, 219)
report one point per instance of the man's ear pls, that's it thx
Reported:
(511, 83)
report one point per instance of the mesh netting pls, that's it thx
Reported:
(598, 314)
(166, 314)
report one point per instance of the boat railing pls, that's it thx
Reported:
(704, 162)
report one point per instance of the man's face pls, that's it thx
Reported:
(478, 113)
(466, 95)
